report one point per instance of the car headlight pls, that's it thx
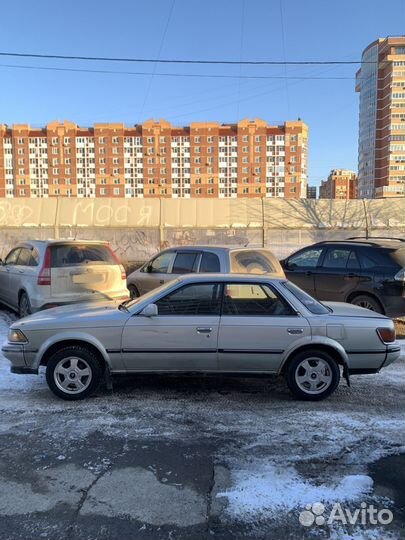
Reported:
(16, 336)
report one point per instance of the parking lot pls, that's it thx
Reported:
(197, 457)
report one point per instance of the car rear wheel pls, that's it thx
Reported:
(73, 373)
(313, 375)
(368, 302)
(133, 291)
(24, 305)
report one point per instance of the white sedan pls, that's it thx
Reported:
(206, 323)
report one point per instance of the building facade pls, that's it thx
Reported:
(155, 159)
(341, 184)
(381, 84)
(311, 192)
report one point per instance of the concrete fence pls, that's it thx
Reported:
(138, 228)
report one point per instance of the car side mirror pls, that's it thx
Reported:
(149, 268)
(1, 262)
(151, 310)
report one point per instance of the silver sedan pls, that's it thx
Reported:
(206, 323)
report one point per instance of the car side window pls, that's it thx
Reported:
(253, 299)
(353, 261)
(12, 256)
(24, 257)
(185, 262)
(336, 258)
(162, 262)
(305, 259)
(210, 262)
(194, 299)
(341, 258)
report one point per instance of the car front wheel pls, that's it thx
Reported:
(73, 373)
(133, 291)
(313, 375)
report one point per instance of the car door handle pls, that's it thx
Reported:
(308, 273)
(350, 275)
(161, 281)
(204, 330)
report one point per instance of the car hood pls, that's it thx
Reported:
(104, 313)
(348, 310)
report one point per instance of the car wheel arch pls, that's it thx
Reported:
(338, 355)
(49, 349)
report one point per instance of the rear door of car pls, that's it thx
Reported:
(8, 277)
(256, 327)
(79, 270)
(27, 272)
(338, 275)
(301, 267)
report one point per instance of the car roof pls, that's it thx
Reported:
(229, 277)
(214, 248)
(52, 241)
(395, 243)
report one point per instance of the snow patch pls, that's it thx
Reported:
(266, 488)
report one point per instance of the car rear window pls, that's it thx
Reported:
(252, 262)
(385, 258)
(310, 303)
(78, 254)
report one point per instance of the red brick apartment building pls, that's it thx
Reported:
(341, 184)
(381, 83)
(155, 159)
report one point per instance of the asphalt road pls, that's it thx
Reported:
(197, 458)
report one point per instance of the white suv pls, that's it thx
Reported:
(40, 274)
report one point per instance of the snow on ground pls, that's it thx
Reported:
(269, 488)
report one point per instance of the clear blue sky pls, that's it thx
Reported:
(209, 29)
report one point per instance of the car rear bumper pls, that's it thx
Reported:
(394, 306)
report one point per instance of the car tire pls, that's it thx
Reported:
(313, 375)
(133, 291)
(368, 302)
(24, 305)
(73, 373)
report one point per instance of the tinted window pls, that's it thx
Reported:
(306, 259)
(199, 299)
(336, 258)
(310, 303)
(353, 261)
(209, 263)
(185, 263)
(253, 299)
(251, 262)
(161, 263)
(77, 254)
(26, 258)
(12, 256)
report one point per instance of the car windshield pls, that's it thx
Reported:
(310, 303)
(133, 301)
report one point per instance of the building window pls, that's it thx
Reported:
(101, 140)
(245, 138)
(117, 191)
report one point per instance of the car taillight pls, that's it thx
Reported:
(123, 273)
(44, 276)
(400, 276)
(387, 335)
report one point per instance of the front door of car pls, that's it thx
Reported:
(338, 275)
(183, 336)
(156, 272)
(256, 327)
(301, 268)
(8, 278)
